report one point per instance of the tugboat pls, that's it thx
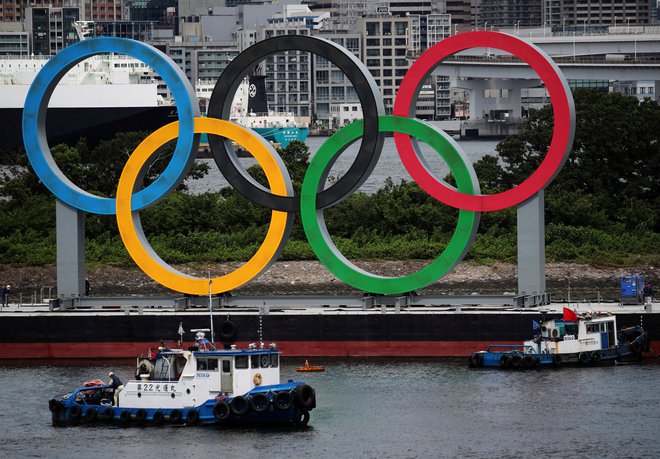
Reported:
(199, 386)
(584, 340)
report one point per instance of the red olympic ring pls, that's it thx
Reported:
(562, 107)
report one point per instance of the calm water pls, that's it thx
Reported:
(371, 409)
(389, 164)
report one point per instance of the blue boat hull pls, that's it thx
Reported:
(283, 136)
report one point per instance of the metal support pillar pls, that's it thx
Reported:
(70, 227)
(531, 245)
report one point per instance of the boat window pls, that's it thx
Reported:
(241, 361)
(207, 364)
(226, 366)
(274, 360)
(571, 329)
(592, 328)
(265, 361)
(254, 361)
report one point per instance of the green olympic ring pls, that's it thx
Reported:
(317, 232)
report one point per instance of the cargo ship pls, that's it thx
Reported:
(385, 331)
(96, 99)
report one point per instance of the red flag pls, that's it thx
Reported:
(570, 316)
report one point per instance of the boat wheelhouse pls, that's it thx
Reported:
(201, 385)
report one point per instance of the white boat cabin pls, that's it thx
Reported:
(567, 337)
(183, 379)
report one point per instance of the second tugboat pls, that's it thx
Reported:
(585, 339)
(199, 386)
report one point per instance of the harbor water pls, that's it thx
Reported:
(389, 164)
(368, 408)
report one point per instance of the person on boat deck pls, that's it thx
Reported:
(117, 386)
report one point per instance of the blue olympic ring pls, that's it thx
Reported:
(36, 104)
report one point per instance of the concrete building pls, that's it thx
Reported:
(567, 13)
(507, 13)
(14, 44)
(51, 29)
(14, 10)
(335, 101)
(289, 74)
(100, 10)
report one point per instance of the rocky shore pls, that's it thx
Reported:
(310, 277)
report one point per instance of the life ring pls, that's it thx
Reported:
(107, 414)
(584, 358)
(302, 418)
(305, 397)
(259, 402)
(596, 356)
(90, 414)
(257, 379)
(75, 411)
(283, 400)
(158, 417)
(140, 415)
(192, 417)
(175, 416)
(239, 405)
(227, 331)
(221, 410)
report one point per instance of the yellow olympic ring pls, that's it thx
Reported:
(130, 227)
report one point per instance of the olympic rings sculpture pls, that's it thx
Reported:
(314, 197)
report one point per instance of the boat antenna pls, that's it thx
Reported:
(211, 304)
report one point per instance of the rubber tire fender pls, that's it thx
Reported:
(516, 360)
(505, 361)
(141, 415)
(259, 402)
(283, 400)
(305, 397)
(108, 414)
(239, 405)
(302, 418)
(158, 418)
(527, 361)
(584, 358)
(192, 417)
(54, 405)
(221, 410)
(596, 356)
(175, 416)
(91, 414)
(557, 360)
(75, 411)
(125, 416)
(227, 331)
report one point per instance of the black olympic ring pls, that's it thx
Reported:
(368, 94)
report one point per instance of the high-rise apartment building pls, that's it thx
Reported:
(51, 29)
(508, 13)
(607, 12)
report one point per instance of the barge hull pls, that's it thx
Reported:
(319, 333)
